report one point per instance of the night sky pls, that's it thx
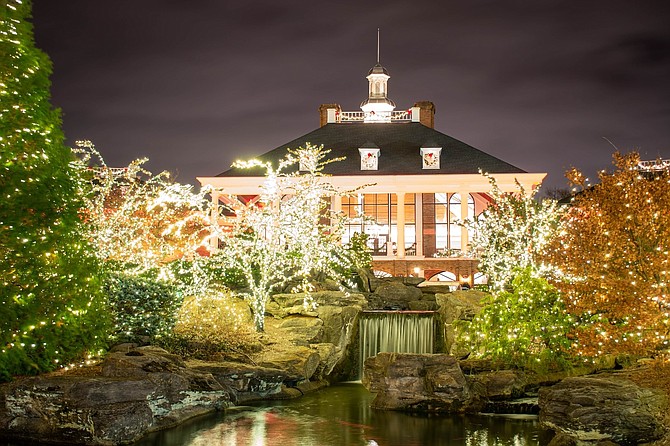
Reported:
(194, 85)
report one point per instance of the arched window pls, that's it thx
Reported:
(380, 274)
(444, 276)
(480, 278)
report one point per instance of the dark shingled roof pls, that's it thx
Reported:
(400, 153)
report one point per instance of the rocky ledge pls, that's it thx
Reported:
(600, 409)
(603, 408)
(132, 393)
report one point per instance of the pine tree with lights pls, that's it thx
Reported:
(613, 259)
(525, 325)
(289, 236)
(51, 309)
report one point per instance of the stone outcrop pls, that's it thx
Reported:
(455, 307)
(603, 409)
(394, 295)
(416, 382)
(131, 394)
(316, 343)
(499, 385)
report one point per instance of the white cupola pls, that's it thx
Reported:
(377, 107)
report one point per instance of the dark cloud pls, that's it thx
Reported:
(195, 85)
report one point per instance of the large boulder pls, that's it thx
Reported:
(246, 382)
(418, 382)
(129, 395)
(455, 307)
(316, 343)
(298, 361)
(499, 384)
(604, 408)
(395, 295)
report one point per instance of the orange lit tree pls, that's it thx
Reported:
(141, 220)
(612, 259)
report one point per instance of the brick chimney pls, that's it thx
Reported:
(329, 113)
(426, 113)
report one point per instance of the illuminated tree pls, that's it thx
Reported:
(139, 220)
(289, 236)
(523, 320)
(613, 259)
(147, 231)
(511, 233)
(51, 308)
(525, 325)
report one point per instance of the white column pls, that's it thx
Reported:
(418, 202)
(401, 224)
(464, 215)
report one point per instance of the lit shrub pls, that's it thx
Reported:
(142, 306)
(210, 325)
(525, 326)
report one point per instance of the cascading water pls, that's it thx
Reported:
(395, 331)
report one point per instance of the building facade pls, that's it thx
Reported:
(421, 183)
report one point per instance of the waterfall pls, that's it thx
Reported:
(395, 331)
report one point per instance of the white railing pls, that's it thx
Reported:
(655, 165)
(360, 116)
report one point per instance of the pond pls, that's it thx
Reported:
(341, 415)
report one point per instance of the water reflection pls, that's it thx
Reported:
(340, 415)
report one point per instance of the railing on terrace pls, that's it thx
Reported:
(655, 165)
(360, 116)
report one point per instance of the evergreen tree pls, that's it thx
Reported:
(50, 296)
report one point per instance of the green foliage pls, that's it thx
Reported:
(358, 252)
(200, 274)
(51, 305)
(143, 306)
(525, 326)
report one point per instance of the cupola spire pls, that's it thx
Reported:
(377, 107)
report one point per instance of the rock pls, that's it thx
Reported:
(287, 304)
(499, 385)
(244, 381)
(415, 382)
(329, 357)
(298, 361)
(396, 295)
(367, 278)
(301, 330)
(434, 288)
(604, 408)
(562, 439)
(137, 392)
(422, 305)
(454, 307)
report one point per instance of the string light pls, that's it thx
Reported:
(613, 254)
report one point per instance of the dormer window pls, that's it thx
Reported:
(431, 157)
(369, 159)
